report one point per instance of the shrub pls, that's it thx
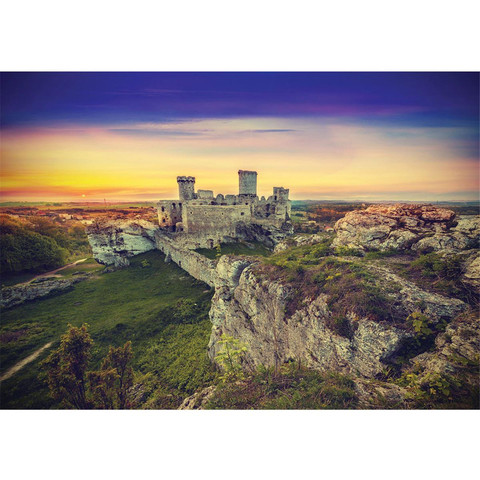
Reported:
(230, 358)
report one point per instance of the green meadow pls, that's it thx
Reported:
(156, 305)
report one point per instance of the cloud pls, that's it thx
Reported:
(271, 130)
(156, 132)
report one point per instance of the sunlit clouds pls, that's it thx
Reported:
(315, 157)
(126, 136)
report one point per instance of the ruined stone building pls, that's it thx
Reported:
(200, 219)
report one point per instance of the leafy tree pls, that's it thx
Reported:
(117, 370)
(75, 387)
(67, 368)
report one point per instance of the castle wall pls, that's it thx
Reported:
(197, 265)
(220, 219)
(169, 213)
(205, 194)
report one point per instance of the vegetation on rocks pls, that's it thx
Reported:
(351, 288)
(292, 387)
(438, 273)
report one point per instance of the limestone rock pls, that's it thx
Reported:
(253, 310)
(411, 298)
(405, 226)
(113, 241)
(198, 400)
(373, 394)
(298, 241)
(457, 347)
(42, 287)
(269, 235)
(471, 275)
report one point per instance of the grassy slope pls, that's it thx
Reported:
(132, 304)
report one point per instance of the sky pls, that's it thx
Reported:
(333, 136)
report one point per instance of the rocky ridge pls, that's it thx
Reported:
(406, 226)
(253, 310)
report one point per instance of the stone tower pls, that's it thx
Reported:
(247, 182)
(186, 188)
(280, 194)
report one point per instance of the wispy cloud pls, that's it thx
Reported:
(271, 130)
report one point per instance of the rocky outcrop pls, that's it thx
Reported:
(269, 235)
(405, 226)
(253, 310)
(471, 270)
(456, 348)
(42, 287)
(410, 297)
(198, 400)
(300, 240)
(113, 241)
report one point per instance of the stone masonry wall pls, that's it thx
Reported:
(220, 219)
(198, 266)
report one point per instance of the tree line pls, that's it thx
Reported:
(37, 244)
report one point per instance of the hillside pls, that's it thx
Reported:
(381, 313)
(156, 305)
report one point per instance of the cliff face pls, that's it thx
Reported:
(113, 241)
(254, 310)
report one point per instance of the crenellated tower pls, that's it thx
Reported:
(186, 188)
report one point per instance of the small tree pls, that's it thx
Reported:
(117, 362)
(230, 358)
(67, 368)
(75, 387)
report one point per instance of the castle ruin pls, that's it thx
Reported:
(201, 220)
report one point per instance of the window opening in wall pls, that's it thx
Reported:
(242, 213)
(173, 205)
(163, 209)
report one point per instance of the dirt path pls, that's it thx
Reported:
(13, 370)
(52, 272)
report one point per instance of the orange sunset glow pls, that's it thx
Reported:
(320, 149)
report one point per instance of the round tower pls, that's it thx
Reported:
(186, 188)
(247, 182)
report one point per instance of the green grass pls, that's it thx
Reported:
(252, 249)
(293, 387)
(159, 308)
(314, 269)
